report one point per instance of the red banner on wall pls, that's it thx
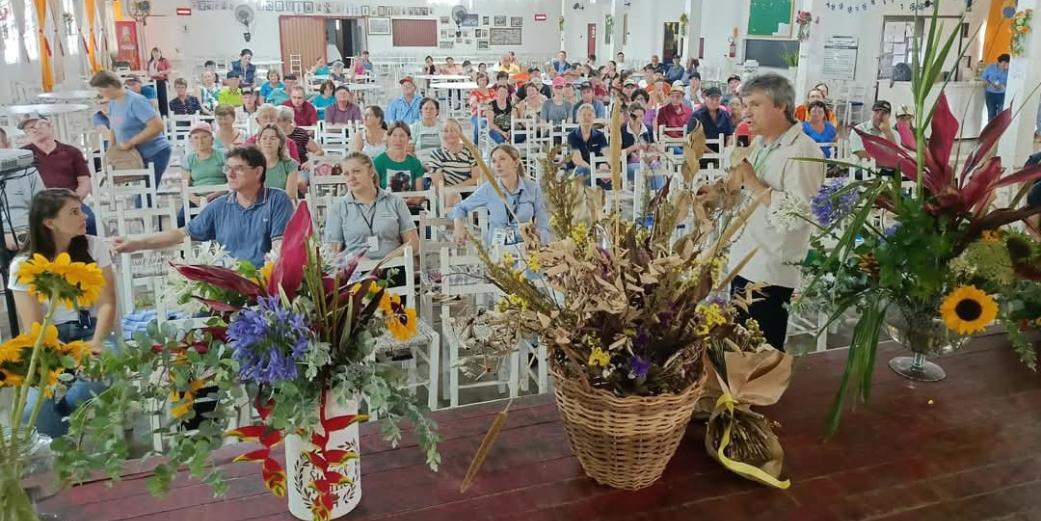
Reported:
(127, 46)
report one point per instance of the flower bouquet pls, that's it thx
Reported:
(295, 340)
(803, 19)
(38, 360)
(886, 245)
(626, 313)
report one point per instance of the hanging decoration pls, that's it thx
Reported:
(862, 6)
(1021, 32)
(803, 19)
(46, 72)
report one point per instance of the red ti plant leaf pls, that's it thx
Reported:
(1024, 175)
(219, 276)
(988, 137)
(217, 332)
(941, 142)
(342, 422)
(903, 128)
(978, 189)
(888, 154)
(288, 271)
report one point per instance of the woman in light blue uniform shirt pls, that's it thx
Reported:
(524, 203)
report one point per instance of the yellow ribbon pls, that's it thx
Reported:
(739, 468)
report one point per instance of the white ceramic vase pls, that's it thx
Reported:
(300, 471)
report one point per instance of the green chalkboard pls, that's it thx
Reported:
(764, 16)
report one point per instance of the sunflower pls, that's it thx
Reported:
(968, 310)
(75, 349)
(401, 321)
(10, 378)
(76, 282)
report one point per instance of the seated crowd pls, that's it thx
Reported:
(395, 151)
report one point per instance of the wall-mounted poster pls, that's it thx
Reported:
(444, 20)
(445, 44)
(381, 11)
(484, 20)
(379, 26)
(470, 20)
(516, 21)
(365, 10)
(482, 44)
(127, 50)
(500, 21)
(505, 36)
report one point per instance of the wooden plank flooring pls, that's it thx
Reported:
(967, 448)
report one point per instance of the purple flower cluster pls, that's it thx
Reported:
(829, 206)
(268, 340)
(639, 366)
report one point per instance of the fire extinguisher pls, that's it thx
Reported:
(733, 48)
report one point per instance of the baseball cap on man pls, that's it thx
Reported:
(712, 91)
(29, 119)
(559, 81)
(201, 125)
(408, 79)
(882, 105)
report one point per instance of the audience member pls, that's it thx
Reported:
(304, 112)
(184, 104)
(371, 140)
(405, 107)
(230, 94)
(244, 67)
(368, 218)
(280, 170)
(676, 114)
(135, 123)
(585, 141)
(879, 125)
(58, 226)
(326, 96)
(819, 128)
(426, 133)
(524, 203)
(344, 111)
(248, 222)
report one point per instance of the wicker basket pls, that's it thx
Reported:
(623, 442)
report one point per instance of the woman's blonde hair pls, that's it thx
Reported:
(285, 114)
(224, 110)
(454, 123)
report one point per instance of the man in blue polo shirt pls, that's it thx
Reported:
(995, 76)
(248, 222)
(712, 117)
(405, 107)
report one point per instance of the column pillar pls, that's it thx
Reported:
(1023, 76)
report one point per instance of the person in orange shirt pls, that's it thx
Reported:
(801, 112)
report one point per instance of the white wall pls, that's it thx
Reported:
(216, 32)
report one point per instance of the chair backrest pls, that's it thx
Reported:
(462, 273)
(118, 189)
(430, 196)
(187, 192)
(403, 262)
(448, 196)
(178, 127)
(146, 269)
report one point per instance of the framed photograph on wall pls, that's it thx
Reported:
(381, 11)
(445, 44)
(484, 20)
(365, 10)
(379, 26)
(280, 6)
(516, 21)
(482, 44)
(309, 7)
(444, 20)
(500, 21)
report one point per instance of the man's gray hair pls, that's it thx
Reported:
(775, 87)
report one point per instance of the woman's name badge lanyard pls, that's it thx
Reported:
(372, 242)
(508, 235)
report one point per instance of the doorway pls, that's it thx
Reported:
(671, 42)
(344, 38)
(590, 40)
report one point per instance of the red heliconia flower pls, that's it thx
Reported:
(288, 271)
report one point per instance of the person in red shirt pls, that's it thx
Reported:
(305, 115)
(59, 165)
(676, 114)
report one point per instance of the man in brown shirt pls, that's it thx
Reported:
(60, 165)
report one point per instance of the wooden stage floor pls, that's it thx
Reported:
(967, 448)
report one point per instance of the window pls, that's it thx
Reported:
(9, 31)
(72, 35)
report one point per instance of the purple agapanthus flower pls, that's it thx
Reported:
(829, 206)
(639, 367)
(268, 340)
(891, 231)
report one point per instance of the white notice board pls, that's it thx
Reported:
(840, 57)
